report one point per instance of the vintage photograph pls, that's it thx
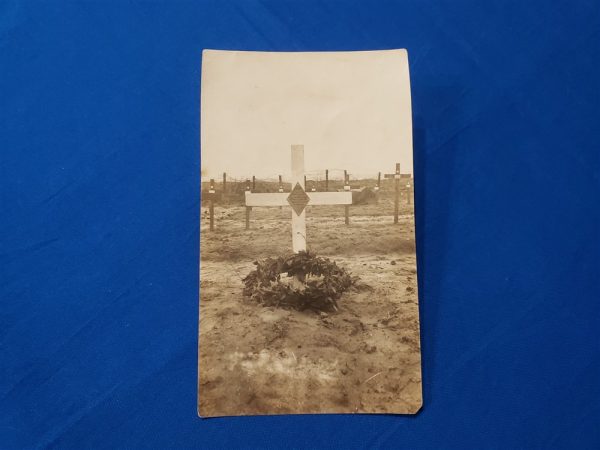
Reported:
(308, 274)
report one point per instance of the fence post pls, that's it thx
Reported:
(346, 207)
(248, 208)
(211, 208)
(280, 188)
(397, 199)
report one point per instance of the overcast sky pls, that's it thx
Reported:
(351, 110)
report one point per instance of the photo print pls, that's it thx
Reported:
(308, 275)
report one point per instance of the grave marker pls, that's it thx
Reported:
(396, 177)
(347, 207)
(211, 208)
(248, 208)
(298, 199)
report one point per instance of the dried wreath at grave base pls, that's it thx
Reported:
(312, 282)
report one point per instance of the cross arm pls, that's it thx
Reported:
(267, 199)
(330, 198)
(280, 199)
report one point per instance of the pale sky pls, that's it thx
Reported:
(350, 110)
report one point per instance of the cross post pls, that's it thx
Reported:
(396, 176)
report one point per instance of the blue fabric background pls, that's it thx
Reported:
(99, 142)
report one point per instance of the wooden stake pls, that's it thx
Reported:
(280, 188)
(224, 182)
(211, 208)
(326, 180)
(397, 199)
(346, 207)
(248, 208)
(253, 183)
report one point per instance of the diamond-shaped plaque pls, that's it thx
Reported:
(298, 199)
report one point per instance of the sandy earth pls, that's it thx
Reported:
(365, 358)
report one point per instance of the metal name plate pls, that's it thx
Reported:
(298, 199)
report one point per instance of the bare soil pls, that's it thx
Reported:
(364, 358)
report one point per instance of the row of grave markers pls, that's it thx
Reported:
(313, 198)
(212, 191)
(314, 183)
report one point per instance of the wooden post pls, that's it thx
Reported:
(305, 182)
(211, 208)
(378, 180)
(327, 180)
(280, 184)
(224, 182)
(253, 183)
(397, 199)
(346, 207)
(280, 188)
(248, 208)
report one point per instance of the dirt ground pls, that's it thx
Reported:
(365, 358)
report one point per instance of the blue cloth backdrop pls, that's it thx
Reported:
(99, 213)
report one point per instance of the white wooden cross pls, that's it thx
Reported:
(298, 199)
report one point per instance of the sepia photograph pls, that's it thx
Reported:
(308, 274)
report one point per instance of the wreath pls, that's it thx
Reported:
(312, 282)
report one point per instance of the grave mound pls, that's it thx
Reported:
(365, 196)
